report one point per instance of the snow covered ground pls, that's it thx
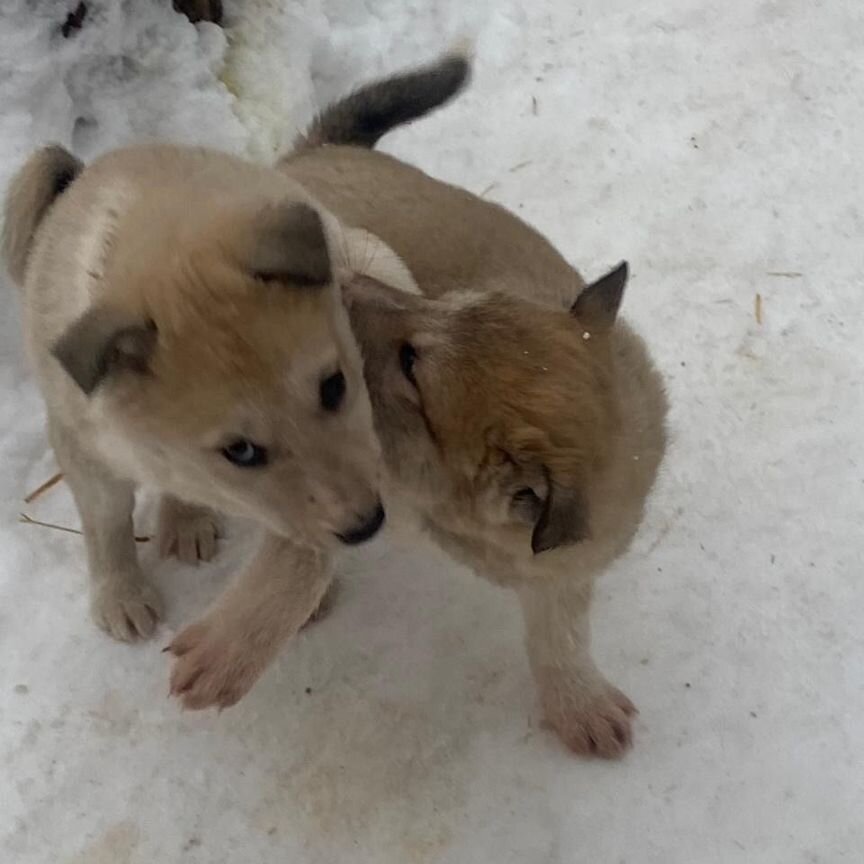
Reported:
(717, 145)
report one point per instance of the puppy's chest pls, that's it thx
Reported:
(485, 559)
(500, 563)
(506, 565)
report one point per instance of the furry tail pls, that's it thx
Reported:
(362, 117)
(32, 191)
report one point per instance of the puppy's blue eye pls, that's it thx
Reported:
(332, 391)
(245, 454)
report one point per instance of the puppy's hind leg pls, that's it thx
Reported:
(188, 531)
(589, 715)
(122, 601)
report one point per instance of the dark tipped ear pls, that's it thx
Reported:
(597, 305)
(100, 342)
(289, 245)
(563, 521)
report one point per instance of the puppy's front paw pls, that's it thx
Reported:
(215, 667)
(592, 720)
(187, 531)
(127, 609)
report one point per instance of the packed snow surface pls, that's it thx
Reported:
(716, 145)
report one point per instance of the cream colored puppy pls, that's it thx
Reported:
(181, 309)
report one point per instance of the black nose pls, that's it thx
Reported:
(366, 530)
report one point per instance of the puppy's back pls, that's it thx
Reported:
(451, 238)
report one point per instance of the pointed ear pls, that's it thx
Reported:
(101, 342)
(289, 245)
(563, 520)
(597, 305)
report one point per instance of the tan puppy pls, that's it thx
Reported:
(187, 326)
(517, 415)
(187, 332)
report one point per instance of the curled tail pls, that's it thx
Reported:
(362, 117)
(32, 191)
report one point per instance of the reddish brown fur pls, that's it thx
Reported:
(521, 382)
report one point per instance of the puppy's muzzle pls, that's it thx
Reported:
(366, 529)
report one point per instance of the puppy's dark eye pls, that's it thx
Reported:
(407, 358)
(245, 454)
(332, 391)
(525, 495)
(527, 504)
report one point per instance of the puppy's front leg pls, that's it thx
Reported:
(588, 713)
(122, 600)
(221, 656)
